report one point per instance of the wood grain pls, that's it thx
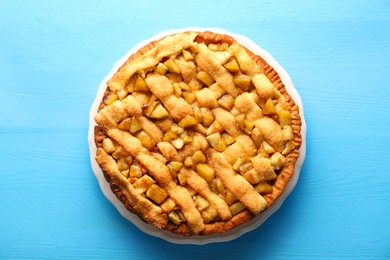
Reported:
(53, 56)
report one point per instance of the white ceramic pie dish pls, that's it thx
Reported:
(199, 240)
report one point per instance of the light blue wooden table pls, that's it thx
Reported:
(53, 56)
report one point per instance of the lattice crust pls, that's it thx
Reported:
(196, 134)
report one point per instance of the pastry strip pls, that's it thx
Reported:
(264, 87)
(271, 132)
(145, 207)
(247, 65)
(246, 104)
(163, 89)
(199, 143)
(154, 132)
(110, 115)
(228, 122)
(200, 185)
(179, 194)
(169, 46)
(206, 62)
(235, 183)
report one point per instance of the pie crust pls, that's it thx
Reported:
(225, 170)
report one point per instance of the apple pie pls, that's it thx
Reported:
(196, 134)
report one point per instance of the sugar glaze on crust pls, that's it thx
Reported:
(193, 221)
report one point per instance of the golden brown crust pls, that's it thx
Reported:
(246, 104)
